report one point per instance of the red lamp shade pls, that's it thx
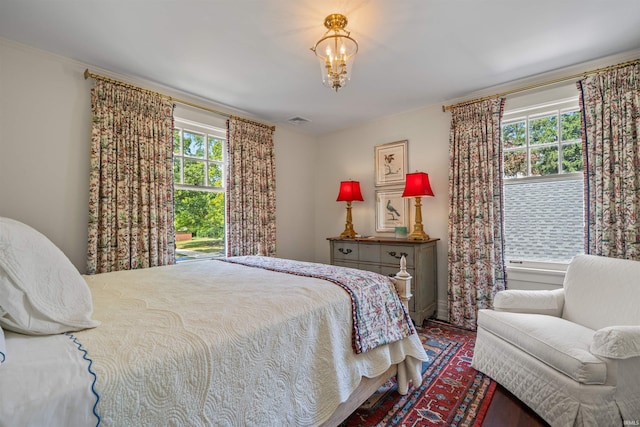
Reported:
(417, 185)
(349, 191)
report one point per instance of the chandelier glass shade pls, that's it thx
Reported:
(336, 51)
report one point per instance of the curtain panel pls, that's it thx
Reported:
(610, 103)
(476, 242)
(131, 180)
(251, 189)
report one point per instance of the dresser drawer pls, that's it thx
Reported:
(391, 272)
(383, 255)
(391, 254)
(369, 267)
(369, 253)
(349, 264)
(345, 251)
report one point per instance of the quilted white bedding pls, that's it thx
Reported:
(193, 344)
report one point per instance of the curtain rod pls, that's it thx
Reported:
(535, 86)
(88, 74)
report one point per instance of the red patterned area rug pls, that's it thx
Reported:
(452, 392)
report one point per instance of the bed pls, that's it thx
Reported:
(218, 342)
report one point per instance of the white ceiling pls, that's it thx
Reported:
(254, 55)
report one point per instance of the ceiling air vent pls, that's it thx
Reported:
(298, 120)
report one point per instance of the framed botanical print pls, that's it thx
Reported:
(392, 210)
(390, 163)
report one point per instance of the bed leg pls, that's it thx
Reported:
(402, 280)
(402, 381)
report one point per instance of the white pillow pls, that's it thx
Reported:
(3, 347)
(41, 292)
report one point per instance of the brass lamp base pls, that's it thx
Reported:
(349, 232)
(418, 234)
(418, 230)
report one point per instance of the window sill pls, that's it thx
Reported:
(535, 278)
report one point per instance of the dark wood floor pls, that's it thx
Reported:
(506, 410)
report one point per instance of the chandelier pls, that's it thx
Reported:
(336, 51)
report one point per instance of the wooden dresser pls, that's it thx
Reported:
(382, 255)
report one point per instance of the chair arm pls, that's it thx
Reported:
(617, 342)
(534, 302)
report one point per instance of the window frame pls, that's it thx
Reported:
(206, 130)
(525, 113)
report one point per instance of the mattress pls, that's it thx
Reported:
(199, 343)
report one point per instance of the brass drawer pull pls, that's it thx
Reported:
(393, 254)
(345, 251)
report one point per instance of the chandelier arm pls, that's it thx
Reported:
(332, 36)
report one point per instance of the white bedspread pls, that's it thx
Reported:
(191, 345)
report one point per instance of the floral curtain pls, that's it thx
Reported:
(131, 180)
(476, 247)
(610, 103)
(251, 189)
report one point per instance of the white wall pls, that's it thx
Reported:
(295, 166)
(44, 154)
(349, 154)
(44, 146)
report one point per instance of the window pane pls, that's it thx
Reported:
(543, 220)
(515, 164)
(193, 144)
(176, 141)
(544, 161)
(199, 223)
(513, 135)
(176, 171)
(572, 158)
(215, 148)
(570, 126)
(193, 172)
(215, 175)
(543, 130)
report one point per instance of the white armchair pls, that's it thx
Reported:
(572, 354)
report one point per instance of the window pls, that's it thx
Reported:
(543, 183)
(199, 168)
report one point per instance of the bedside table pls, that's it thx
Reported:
(382, 255)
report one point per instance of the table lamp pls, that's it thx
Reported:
(349, 191)
(417, 185)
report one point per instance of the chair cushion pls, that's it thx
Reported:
(555, 341)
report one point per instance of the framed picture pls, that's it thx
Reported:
(390, 163)
(392, 210)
